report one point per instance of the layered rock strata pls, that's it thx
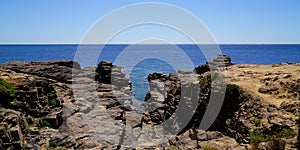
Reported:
(56, 104)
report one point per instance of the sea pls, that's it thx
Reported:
(140, 60)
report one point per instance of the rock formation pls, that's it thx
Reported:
(58, 70)
(219, 62)
(34, 105)
(56, 104)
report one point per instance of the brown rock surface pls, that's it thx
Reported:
(60, 70)
(272, 105)
(273, 83)
(261, 107)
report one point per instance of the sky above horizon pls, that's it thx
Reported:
(230, 22)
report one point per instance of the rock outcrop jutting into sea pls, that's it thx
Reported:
(59, 105)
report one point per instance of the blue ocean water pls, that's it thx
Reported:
(240, 54)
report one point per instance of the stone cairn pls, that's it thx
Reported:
(219, 62)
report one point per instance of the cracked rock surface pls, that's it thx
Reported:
(51, 108)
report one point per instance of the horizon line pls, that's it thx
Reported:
(150, 44)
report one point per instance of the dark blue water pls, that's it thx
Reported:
(240, 54)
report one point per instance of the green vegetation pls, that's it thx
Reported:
(257, 122)
(45, 123)
(199, 78)
(51, 85)
(7, 85)
(61, 148)
(245, 128)
(7, 92)
(53, 144)
(228, 122)
(173, 148)
(274, 144)
(212, 76)
(189, 84)
(274, 138)
(62, 144)
(209, 148)
(286, 132)
(52, 95)
(53, 102)
(257, 137)
(231, 87)
(52, 99)
(28, 128)
(81, 146)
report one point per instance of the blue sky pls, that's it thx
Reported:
(230, 21)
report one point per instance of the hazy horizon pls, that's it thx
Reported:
(149, 44)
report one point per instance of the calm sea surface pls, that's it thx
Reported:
(240, 54)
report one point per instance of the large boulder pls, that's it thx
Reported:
(108, 73)
(104, 70)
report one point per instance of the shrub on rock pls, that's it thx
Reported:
(7, 92)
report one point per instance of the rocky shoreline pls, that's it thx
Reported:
(59, 105)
